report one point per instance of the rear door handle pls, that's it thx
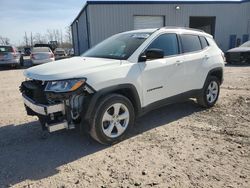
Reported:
(206, 57)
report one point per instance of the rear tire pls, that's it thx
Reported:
(210, 92)
(113, 117)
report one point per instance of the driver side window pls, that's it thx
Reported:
(166, 42)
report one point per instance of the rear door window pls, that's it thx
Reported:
(166, 42)
(190, 43)
(204, 42)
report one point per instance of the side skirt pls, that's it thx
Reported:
(171, 100)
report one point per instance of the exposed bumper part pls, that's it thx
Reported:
(42, 109)
(58, 126)
(47, 110)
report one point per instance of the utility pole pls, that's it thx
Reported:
(26, 39)
(31, 39)
(61, 38)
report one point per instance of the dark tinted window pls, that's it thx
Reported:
(190, 43)
(166, 42)
(204, 42)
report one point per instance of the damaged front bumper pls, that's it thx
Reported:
(41, 108)
(47, 110)
(55, 111)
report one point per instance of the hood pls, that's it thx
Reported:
(239, 49)
(74, 67)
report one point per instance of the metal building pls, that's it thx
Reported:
(227, 21)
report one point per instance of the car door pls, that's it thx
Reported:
(164, 77)
(195, 59)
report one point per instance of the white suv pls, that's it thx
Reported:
(124, 77)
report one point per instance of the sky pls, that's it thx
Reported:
(36, 16)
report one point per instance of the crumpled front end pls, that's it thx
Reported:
(56, 109)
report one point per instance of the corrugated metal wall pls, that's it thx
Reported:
(75, 38)
(80, 34)
(108, 19)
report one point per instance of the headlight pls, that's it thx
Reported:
(65, 85)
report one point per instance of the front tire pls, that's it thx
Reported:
(210, 92)
(113, 117)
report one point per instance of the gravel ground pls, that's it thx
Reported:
(181, 145)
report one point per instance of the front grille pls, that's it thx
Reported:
(34, 89)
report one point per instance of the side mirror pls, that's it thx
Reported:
(150, 54)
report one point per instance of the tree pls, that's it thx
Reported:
(68, 35)
(26, 39)
(50, 35)
(39, 38)
(4, 40)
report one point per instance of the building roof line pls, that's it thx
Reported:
(169, 2)
(157, 2)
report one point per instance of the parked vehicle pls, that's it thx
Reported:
(71, 52)
(9, 55)
(27, 51)
(60, 53)
(50, 46)
(238, 55)
(122, 78)
(40, 55)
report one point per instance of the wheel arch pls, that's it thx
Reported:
(217, 72)
(127, 90)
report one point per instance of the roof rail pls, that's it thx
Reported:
(188, 28)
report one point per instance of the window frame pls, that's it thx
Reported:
(178, 45)
(200, 36)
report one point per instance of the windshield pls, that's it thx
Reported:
(246, 44)
(119, 46)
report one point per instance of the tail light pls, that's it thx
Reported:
(14, 52)
(51, 55)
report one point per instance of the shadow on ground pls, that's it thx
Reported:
(24, 154)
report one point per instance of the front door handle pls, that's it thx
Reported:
(178, 62)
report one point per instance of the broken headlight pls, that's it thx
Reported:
(65, 85)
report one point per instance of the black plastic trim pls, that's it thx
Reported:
(170, 100)
(220, 69)
(113, 89)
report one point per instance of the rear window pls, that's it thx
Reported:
(6, 49)
(60, 50)
(44, 49)
(204, 42)
(190, 43)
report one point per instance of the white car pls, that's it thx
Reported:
(9, 55)
(40, 55)
(59, 53)
(124, 77)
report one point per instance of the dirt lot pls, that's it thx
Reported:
(180, 145)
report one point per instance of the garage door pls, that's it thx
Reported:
(143, 22)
